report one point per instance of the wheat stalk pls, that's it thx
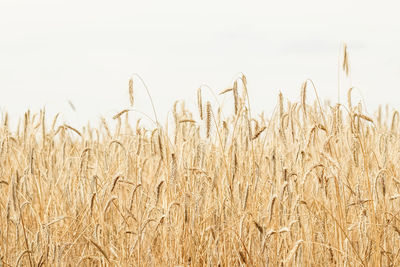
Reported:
(200, 103)
(208, 123)
(131, 99)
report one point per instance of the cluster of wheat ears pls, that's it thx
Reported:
(310, 186)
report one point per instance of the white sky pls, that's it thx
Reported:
(85, 51)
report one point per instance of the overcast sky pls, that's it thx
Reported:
(86, 51)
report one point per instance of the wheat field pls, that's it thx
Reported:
(311, 185)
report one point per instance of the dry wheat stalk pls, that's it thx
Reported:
(225, 91)
(119, 114)
(345, 64)
(73, 129)
(200, 103)
(257, 134)
(208, 123)
(303, 98)
(131, 99)
(349, 99)
(235, 97)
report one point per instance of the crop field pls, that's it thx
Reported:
(310, 185)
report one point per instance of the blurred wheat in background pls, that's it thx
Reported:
(311, 185)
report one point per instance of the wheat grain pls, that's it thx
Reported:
(257, 134)
(225, 91)
(131, 99)
(349, 99)
(73, 129)
(345, 64)
(100, 249)
(119, 114)
(235, 97)
(200, 103)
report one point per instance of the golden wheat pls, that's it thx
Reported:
(313, 186)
